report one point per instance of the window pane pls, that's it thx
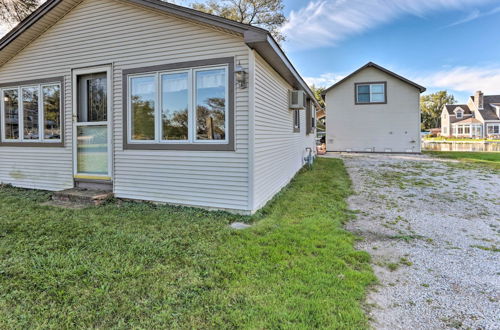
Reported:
(11, 108)
(30, 109)
(143, 98)
(378, 89)
(52, 112)
(364, 98)
(97, 99)
(378, 98)
(92, 150)
(363, 94)
(211, 104)
(175, 106)
(363, 89)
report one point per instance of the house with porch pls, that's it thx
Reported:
(479, 118)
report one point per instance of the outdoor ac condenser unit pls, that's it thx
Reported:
(297, 99)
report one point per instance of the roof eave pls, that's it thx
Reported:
(270, 51)
(374, 65)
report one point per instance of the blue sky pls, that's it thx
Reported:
(441, 44)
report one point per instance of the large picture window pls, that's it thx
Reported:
(32, 113)
(183, 108)
(371, 93)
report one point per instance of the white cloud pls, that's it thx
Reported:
(326, 22)
(475, 14)
(324, 80)
(464, 79)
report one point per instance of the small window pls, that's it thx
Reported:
(460, 114)
(296, 121)
(371, 93)
(493, 129)
(32, 113)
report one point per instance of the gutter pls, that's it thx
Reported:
(268, 48)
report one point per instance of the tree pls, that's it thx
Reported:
(267, 14)
(431, 107)
(14, 11)
(317, 94)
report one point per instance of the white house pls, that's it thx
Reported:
(373, 110)
(479, 118)
(153, 101)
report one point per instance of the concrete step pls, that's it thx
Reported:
(83, 196)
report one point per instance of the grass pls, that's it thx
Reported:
(451, 139)
(488, 159)
(138, 265)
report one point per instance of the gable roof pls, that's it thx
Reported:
(376, 66)
(451, 108)
(256, 38)
(489, 112)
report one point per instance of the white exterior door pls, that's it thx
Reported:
(92, 139)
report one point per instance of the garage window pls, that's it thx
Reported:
(371, 93)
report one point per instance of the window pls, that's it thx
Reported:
(460, 129)
(445, 130)
(459, 114)
(371, 93)
(296, 121)
(32, 113)
(181, 107)
(493, 129)
(466, 129)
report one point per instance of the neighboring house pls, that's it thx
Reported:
(479, 118)
(155, 101)
(373, 110)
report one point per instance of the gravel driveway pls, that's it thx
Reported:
(433, 229)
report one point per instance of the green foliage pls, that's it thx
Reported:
(139, 265)
(317, 94)
(488, 159)
(431, 107)
(267, 14)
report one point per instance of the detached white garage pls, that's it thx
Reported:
(373, 110)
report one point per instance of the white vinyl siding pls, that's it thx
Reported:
(278, 151)
(374, 127)
(129, 36)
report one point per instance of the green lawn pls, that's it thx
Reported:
(490, 159)
(137, 265)
(451, 139)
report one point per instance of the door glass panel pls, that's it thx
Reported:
(92, 150)
(30, 108)
(11, 108)
(93, 98)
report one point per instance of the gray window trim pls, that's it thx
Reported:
(59, 80)
(230, 146)
(370, 83)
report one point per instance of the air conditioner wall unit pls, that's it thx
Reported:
(297, 99)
